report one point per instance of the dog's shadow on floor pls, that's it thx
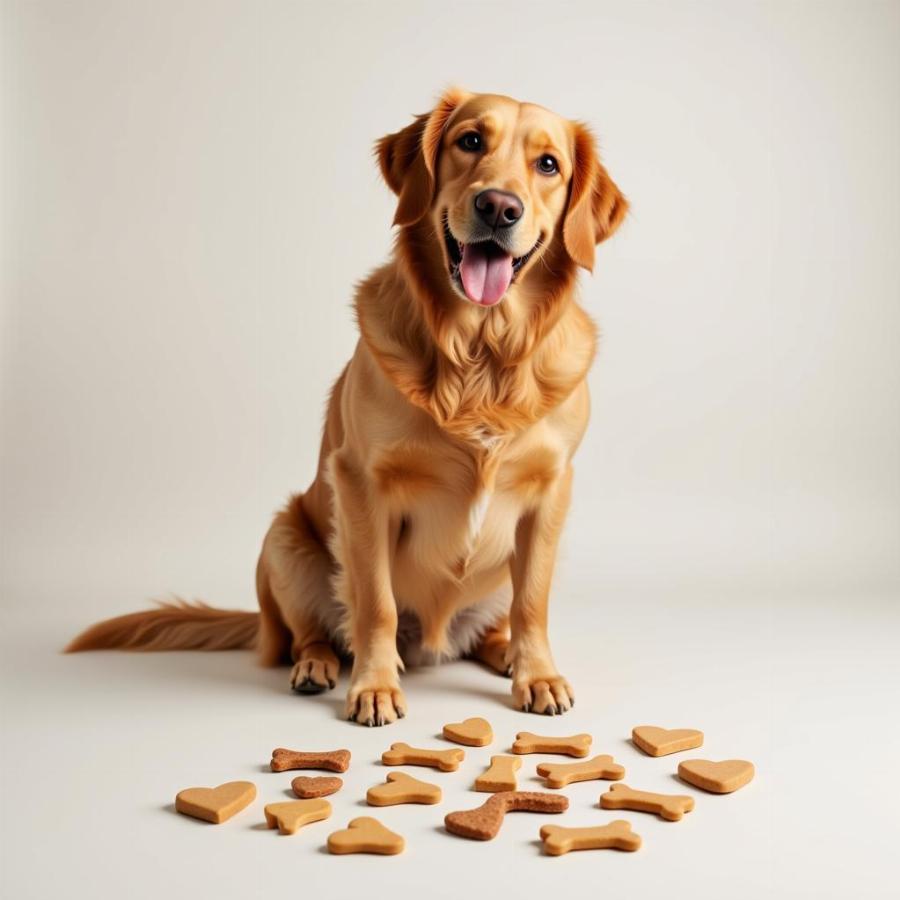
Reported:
(235, 672)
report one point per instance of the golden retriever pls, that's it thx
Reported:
(431, 527)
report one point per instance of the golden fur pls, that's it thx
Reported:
(431, 527)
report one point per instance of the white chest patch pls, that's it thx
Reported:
(477, 512)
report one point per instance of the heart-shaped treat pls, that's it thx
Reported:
(365, 835)
(217, 804)
(661, 741)
(307, 787)
(292, 815)
(718, 777)
(403, 788)
(471, 732)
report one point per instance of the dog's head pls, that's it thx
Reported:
(500, 183)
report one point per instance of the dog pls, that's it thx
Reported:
(431, 527)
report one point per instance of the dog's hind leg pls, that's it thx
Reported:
(294, 590)
(491, 649)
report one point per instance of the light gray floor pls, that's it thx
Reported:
(96, 746)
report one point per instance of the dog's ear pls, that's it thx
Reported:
(596, 206)
(408, 159)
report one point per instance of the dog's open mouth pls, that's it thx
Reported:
(483, 269)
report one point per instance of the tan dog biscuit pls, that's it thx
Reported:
(483, 823)
(402, 754)
(576, 745)
(217, 804)
(308, 788)
(403, 788)
(292, 815)
(558, 775)
(471, 732)
(365, 835)
(331, 760)
(668, 806)
(717, 777)
(501, 776)
(661, 742)
(616, 835)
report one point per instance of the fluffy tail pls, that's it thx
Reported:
(174, 626)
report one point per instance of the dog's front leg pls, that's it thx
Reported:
(363, 532)
(537, 685)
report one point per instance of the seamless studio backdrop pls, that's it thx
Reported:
(189, 196)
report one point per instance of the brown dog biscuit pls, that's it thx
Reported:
(616, 835)
(717, 777)
(483, 823)
(217, 804)
(308, 787)
(365, 835)
(661, 741)
(403, 788)
(292, 815)
(402, 754)
(331, 760)
(501, 776)
(668, 806)
(576, 745)
(471, 732)
(558, 775)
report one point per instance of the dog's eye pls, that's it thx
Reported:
(547, 165)
(470, 142)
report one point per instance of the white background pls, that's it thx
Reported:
(188, 196)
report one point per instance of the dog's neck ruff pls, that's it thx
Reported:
(483, 375)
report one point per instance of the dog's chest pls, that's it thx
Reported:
(458, 515)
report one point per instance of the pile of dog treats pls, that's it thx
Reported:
(367, 835)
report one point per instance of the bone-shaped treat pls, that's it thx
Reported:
(656, 741)
(576, 745)
(402, 754)
(667, 806)
(560, 774)
(306, 787)
(616, 836)
(332, 760)
(292, 815)
(483, 822)
(403, 788)
(365, 835)
(501, 776)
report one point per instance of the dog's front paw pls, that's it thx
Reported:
(375, 704)
(548, 695)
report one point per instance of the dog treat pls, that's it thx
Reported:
(403, 788)
(661, 742)
(365, 835)
(501, 776)
(332, 760)
(560, 774)
(617, 836)
(292, 815)
(217, 804)
(483, 823)
(402, 754)
(667, 806)
(718, 777)
(576, 745)
(308, 788)
(471, 732)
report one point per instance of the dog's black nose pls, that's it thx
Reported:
(498, 209)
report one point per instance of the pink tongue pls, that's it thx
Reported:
(485, 277)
